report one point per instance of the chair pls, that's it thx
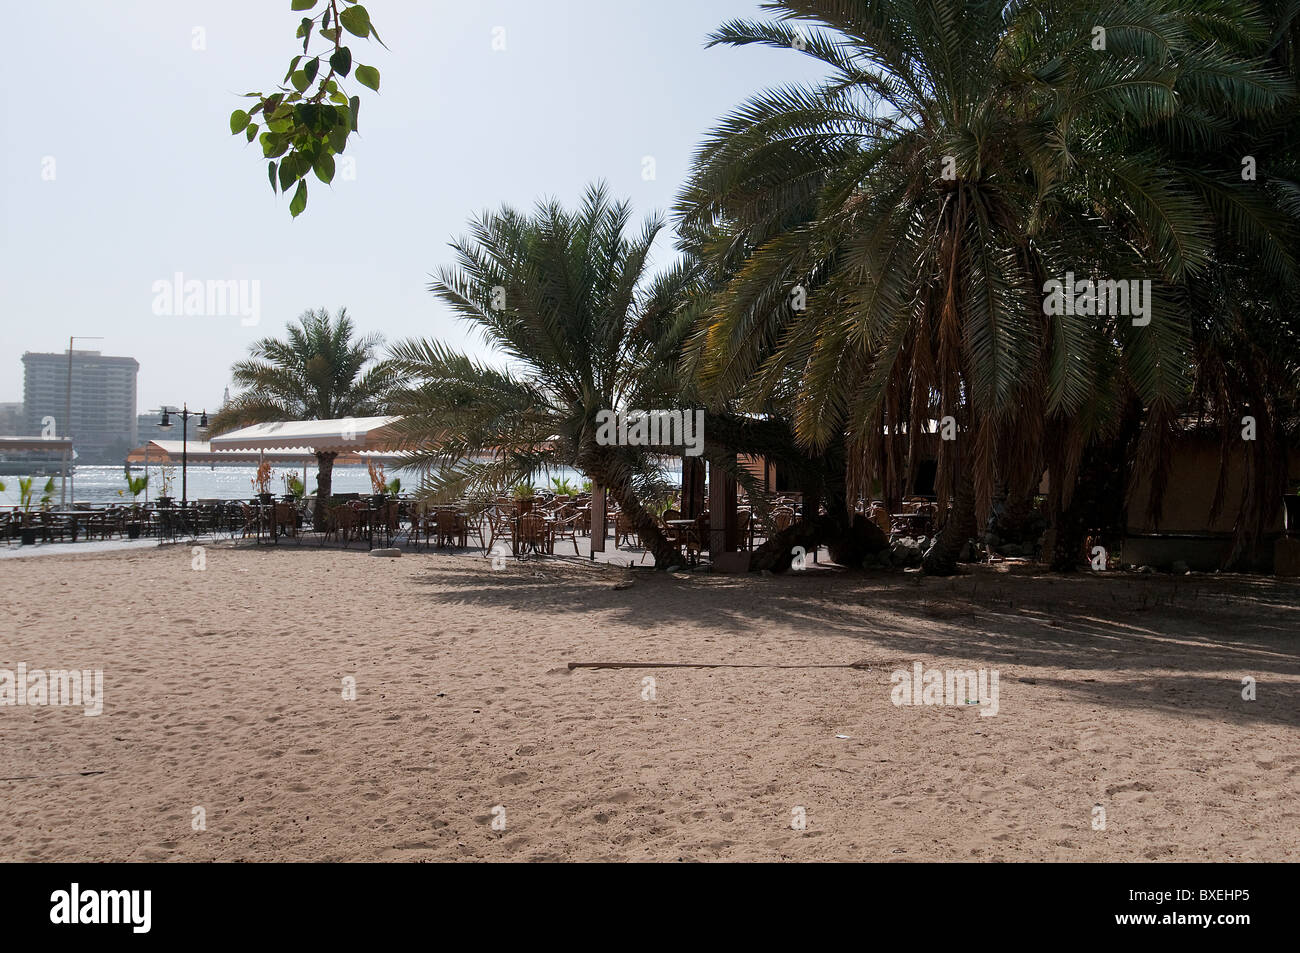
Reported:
(566, 527)
(744, 530)
(387, 520)
(878, 513)
(443, 524)
(250, 518)
(782, 519)
(343, 523)
(624, 530)
(51, 527)
(533, 533)
(286, 520)
(477, 525)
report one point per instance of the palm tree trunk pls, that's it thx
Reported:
(941, 560)
(324, 487)
(647, 528)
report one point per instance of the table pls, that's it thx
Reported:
(532, 544)
(683, 533)
(914, 523)
(73, 517)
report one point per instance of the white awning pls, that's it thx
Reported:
(348, 433)
(200, 451)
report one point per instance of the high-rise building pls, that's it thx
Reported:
(103, 422)
(11, 420)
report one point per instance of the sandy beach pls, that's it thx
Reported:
(223, 690)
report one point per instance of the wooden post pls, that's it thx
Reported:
(732, 522)
(692, 487)
(597, 519)
(723, 535)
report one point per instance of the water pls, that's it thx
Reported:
(225, 482)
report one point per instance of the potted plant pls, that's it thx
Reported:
(294, 488)
(524, 494)
(1291, 503)
(25, 492)
(166, 478)
(135, 485)
(262, 483)
(562, 488)
(378, 487)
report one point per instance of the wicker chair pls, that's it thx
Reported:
(624, 530)
(566, 527)
(534, 533)
(343, 523)
(286, 520)
(782, 518)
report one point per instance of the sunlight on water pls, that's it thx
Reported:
(100, 484)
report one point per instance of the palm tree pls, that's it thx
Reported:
(565, 298)
(961, 153)
(319, 371)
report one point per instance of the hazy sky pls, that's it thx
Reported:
(147, 180)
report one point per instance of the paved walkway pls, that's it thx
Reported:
(624, 556)
(15, 551)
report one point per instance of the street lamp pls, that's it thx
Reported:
(165, 424)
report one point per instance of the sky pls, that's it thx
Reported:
(120, 170)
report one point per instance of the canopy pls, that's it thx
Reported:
(348, 433)
(200, 451)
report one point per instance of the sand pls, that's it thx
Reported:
(223, 691)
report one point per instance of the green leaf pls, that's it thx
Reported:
(368, 76)
(311, 68)
(299, 200)
(303, 4)
(270, 173)
(356, 21)
(300, 80)
(293, 65)
(354, 104)
(288, 170)
(274, 144)
(341, 61)
(252, 131)
(324, 167)
(238, 121)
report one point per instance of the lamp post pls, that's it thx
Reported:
(165, 424)
(67, 425)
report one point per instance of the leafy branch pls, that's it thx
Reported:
(305, 130)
